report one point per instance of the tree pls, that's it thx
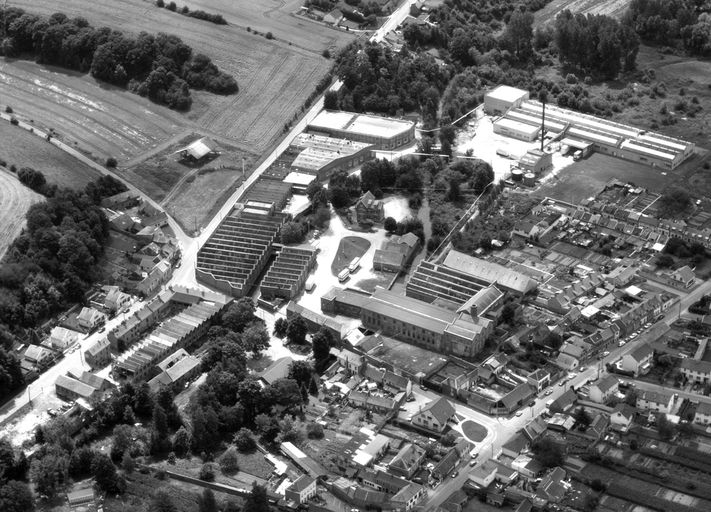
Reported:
(631, 397)
(207, 472)
(16, 497)
(127, 463)
(314, 431)
(181, 442)
(674, 202)
(301, 372)
(255, 338)
(508, 313)
(322, 342)
(257, 501)
(390, 224)
(239, 315)
(162, 501)
(32, 179)
(50, 472)
(229, 461)
(296, 330)
(330, 99)
(105, 475)
(206, 502)
(665, 260)
(549, 453)
(80, 462)
(244, 441)
(292, 233)
(665, 428)
(582, 417)
(160, 421)
(280, 326)
(448, 439)
(518, 36)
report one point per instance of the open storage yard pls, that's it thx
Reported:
(274, 77)
(23, 149)
(15, 200)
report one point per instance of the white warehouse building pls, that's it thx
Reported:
(502, 99)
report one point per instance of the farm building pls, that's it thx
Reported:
(197, 150)
(516, 129)
(321, 156)
(536, 161)
(287, 275)
(502, 99)
(238, 251)
(381, 132)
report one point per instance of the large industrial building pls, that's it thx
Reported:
(427, 325)
(321, 156)
(502, 99)
(460, 276)
(238, 251)
(381, 132)
(522, 119)
(287, 275)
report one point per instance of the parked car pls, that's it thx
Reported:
(519, 414)
(548, 392)
(606, 353)
(455, 474)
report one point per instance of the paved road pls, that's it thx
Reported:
(74, 359)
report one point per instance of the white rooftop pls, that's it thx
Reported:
(362, 124)
(299, 178)
(507, 93)
(517, 126)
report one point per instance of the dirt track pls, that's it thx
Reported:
(15, 200)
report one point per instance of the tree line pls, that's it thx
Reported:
(161, 67)
(54, 260)
(685, 23)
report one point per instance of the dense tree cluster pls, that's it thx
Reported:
(596, 44)
(376, 79)
(403, 176)
(161, 67)
(343, 189)
(53, 261)
(670, 22)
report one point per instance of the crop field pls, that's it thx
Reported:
(15, 200)
(23, 149)
(96, 118)
(274, 76)
(614, 8)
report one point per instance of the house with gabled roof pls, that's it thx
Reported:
(659, 401)
(89, 319)
(435, 415)
(638, 361)
(696, 370)
(553, 486)
(369, 209)
(622, 416)
(703, 413)
(603, 389)
(407, 461)
(515, 446)
(535, 428)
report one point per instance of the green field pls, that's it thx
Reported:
(350, 247)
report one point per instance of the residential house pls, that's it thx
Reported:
(483, 475)
(89, 319)
(302, 490)
(408, 497)
(553, 486)
(622, 416)
(515, 446)
(407, 461)
(434, 416)
(638, 361)
(176, 371)
(564, 402)
(446, 465)
(100, 384)
(350, 361)
(539, 380)
(524, 506)
(527, 466)
(535, 429)
(696, 371)
(333, 18)
(598, 426)
(659, 401)
(369, 209)
(99, 354)
(375, 403)
(156, 277)
(683, 277)
(602, 390)
(38, 356)
(61, 338)
(566, 362)
(115, 299)
(703, 413)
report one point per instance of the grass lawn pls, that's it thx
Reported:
(473, 431)
(141, 489)
(587, 177)
(24, 149)
(350, 247)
